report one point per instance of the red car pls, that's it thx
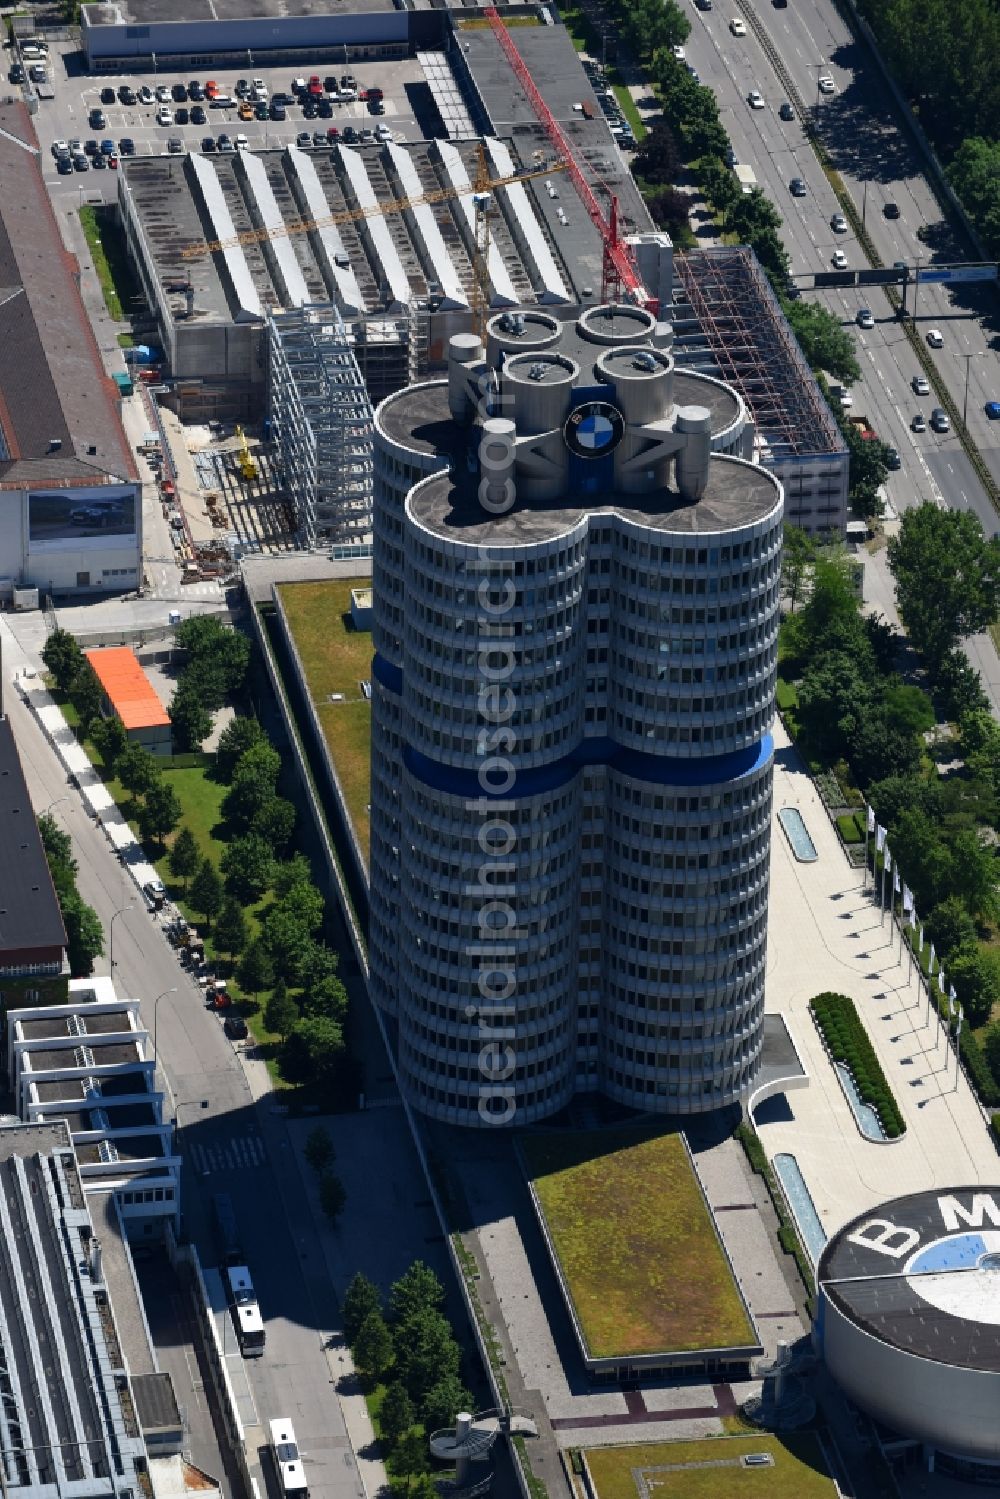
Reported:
(316, 86)
(211, 89)
(333, 132)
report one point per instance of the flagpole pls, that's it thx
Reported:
(869, 819)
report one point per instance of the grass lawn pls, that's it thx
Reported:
(636, 1243)
(106, 242)
(710, 1469)
(336, 659)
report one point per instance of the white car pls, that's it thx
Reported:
(164, 116)
(839, 260)
(920, 386)
(755, 100)
(738, 26)
(935, 338)
(846, 400)
(679, 53)
(145, 95)
(865, 318)
(60, 148)
(825, 84)
(259, 90)
(163, 93)
(838, 223)
(242, 143)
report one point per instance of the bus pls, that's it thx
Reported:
(291, 1474)
(227, 1234)
(245, 1312)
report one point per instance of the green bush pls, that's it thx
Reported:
(995, 1127)
(848, 1042)
(849, 827)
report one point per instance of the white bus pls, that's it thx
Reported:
(291, 1474)
(245, 1312)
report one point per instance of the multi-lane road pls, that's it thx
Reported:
(878, 165)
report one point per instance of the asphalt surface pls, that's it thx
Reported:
(229, 1143)
(867, 148)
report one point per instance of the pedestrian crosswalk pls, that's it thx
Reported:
(242, 1152)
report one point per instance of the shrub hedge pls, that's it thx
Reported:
(995, 1127)
(847, 824)
(848, 1042)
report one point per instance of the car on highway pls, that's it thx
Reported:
(797, 188)
(785, 111)
(920, 386)
(935, 338)
(992, 409)
(126, 146)
(839, 260)
(890, 210)
(738, 26)
(865, 318)
(838, 223)
(892, 459)
(755, 99)
(940, 421)
(825, 83)
(918, 423)
(235, 1027)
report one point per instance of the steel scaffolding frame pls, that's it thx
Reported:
(321, 422)
(755, 350)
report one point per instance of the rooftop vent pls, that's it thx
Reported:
(536, 372)
(55, 443)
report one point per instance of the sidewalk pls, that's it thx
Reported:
(825, 933)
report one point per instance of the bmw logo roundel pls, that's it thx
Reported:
(594, 429)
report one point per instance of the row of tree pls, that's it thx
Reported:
(215, 669)
(408, 1347)
(84, 936)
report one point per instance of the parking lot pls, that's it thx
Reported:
(406, 103)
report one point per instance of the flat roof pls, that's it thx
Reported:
(938, 1295)
(30, 917)
(140, 12)
(53, 386)
(127, 687)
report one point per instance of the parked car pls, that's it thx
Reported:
(154, 890)
(108, 96)
(60, 148)
(127, 95)
(259, 89)
(90, 148)
(16, 74)
(175, 146)
(211, 88)
(64, 166)
(303, 140)
(242, 143)
(181, 116)
(99, 163)
(208, 144)
(324, 109)
(96, 120)
(107, 148)
(164, 116)
(126, 146)
(195, 90)
(198, 115)
(163, 93)
(319, 139)
(146, 96)
(179, 93)
(235, 1027)
(81, 163)
(224, 144)
(376, 107)
(277, 110)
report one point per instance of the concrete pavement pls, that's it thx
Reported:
(825, 933)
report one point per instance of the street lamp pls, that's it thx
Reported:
(156, 1016)
(111, 927)
(54, 803)
(956, 1013)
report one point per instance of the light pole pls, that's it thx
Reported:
(54, 803)
(111, 927)
(156, 1016)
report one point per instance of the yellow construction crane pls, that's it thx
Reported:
(480, 192)
(247, 464)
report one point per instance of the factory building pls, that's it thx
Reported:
(576, 584)
(129, 696)
(33, 966)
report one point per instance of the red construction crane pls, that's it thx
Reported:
(619, 275)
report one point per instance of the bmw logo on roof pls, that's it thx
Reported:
(594, 429)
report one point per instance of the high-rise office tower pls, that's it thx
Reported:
(576, 583)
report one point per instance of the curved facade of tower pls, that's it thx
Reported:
(576, 613)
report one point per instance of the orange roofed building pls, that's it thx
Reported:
(132, 698)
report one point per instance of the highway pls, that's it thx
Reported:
(878, 165)
(230, 1142)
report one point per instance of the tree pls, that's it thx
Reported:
(256, 971)
(138, 771)
(426, 1352)
(396, 1414)
(312, 1049)
(924, 858)
(361, 1298)
(275, 823)
(253, 784)
(58, 845)
(200, 634)
(184, 858)
(991, 1051)
(84, 935)
(248, 866)
(111, 740)
(975, 176)
(878, 746)
(319, 1151)
(797, 560)
(975, 974)
(826, 345)
(417, 1290)
(160, 812)
(443, 1402)
(207, 893)
(949, 926)
(670, 209)
(657, 160)
(281, 1012)
(63, 658)
(190, 716)
(947, 578)
(959, 689)
(231, 928)
(409, 1461)
(317, 965)
(86, 695)
(291, 872)
(328, 997)
(332, 1195)
(240, 735)
(975, 874)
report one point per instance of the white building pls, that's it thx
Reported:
(576, 581)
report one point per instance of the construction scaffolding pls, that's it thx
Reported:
(728, 322)
(321, 423)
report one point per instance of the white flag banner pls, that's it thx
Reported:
(930, 960)
(941, 979)
(951, 994)
(871, 820)
(879, 839)
(888, 859)
(895, 881)
(913, 919)
(907, 898)
(920, 944)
